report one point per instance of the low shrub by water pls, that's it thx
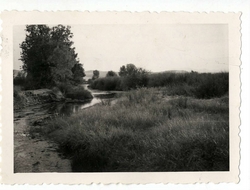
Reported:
(79, 94)
(74, 92)
(143, 132)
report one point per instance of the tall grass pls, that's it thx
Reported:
(199, 85)
(141, 132)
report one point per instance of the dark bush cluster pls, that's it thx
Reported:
(19, 81)
(212, 85)
(74, 92)
(79, 94)
(199, 85)
(107, 83)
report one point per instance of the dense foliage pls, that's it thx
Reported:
(199, 85)
(131, 77)
(111, 74)
(48, 56)
(96, 74)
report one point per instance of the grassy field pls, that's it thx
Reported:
(146, 130)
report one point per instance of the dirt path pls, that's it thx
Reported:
(35, 154)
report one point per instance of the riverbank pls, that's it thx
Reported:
(24, 98)
(34, 152)
(146, 130)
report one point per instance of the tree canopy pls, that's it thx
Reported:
(96, 74)
(133, 77)
(130, 69)
(48, 56)
(111, 74)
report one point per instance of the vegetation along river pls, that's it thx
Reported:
(34, 153)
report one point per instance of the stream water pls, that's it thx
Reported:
(36, 154)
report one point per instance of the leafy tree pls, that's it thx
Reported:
(111, 74)
(130, 69)
(47, 55)
(133, 77)
(96, 74)
(78, 73)
(35, 54)
(123, 71)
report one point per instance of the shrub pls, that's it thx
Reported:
(79, 93)
(213, 85)
(111, 74)
(65, 88)
(134, 81)
(203, 85)
(74, 92)
(19, 81)
(107, 83)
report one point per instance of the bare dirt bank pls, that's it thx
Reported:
(34, 97)
(35, 154)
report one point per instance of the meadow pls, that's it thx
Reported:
(160, 128)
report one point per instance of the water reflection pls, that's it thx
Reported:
(67, 109)
(62, 108)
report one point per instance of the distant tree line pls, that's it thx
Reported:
(130, 77)
(199, 85)
(49, 58)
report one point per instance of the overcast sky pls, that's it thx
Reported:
(197, 47)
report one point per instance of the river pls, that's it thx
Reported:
(34, 153)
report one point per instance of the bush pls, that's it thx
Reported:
(134, 81)
(79, 93)
(65, 88)
(107, 83)
(20, 81)
(212, 85)
(74, 92)
(203, 85)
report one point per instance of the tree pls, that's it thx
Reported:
(78, 73)
(128, 70)
(133, 77)
(35, 54)
(47, 55)
(111, 74)
(96, 74)
(123, 71)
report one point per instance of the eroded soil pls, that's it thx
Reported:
(35, 154)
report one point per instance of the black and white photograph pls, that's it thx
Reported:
(145, 94)
(121, 98)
